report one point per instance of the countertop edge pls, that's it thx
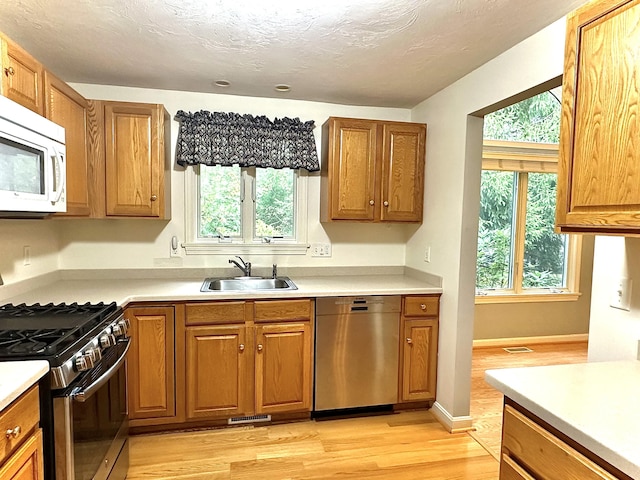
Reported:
(17, 377)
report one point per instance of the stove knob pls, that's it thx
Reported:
(107, 340)
(125, 325)
(84, 363)
(117, 330)
(95, 353)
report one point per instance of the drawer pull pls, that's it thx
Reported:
(423, 306)
(242, 347)
(13, 432)
(371, 202)
(259, 347)
(409, 341)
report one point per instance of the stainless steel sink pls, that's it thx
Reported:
(247, 283)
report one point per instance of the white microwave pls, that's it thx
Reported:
(32, 163)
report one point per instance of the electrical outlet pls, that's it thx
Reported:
(621, 295)
(174, 247)
(427, 254)
(321, 250)
(26, 253)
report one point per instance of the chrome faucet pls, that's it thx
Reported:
(245, 267)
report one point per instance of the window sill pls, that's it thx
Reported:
(242, 248)
(527, 297)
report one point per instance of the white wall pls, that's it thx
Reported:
(452, 195)
(144, 244)
(614, 334)
(43, 239)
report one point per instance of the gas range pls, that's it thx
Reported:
(83, 401)
(71, 337)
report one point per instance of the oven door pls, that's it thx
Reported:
(91, 422)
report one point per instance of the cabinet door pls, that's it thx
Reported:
(403, 157)
(134, 158)
(26, 463)
(22, 78)
(66, 107)
(352, 169)
(151, 362)
(283, 367)
(419, 357)
(598, 188)
(219, 380)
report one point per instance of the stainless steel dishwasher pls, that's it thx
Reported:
(356, 352)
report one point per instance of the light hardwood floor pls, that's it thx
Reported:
(486, 402)
(408, 445)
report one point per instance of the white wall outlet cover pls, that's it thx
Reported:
(621, 294)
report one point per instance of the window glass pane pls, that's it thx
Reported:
(275, 213)
(495, 232)
(544, 250)
(220, 207)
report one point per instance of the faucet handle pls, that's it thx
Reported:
(274, 272)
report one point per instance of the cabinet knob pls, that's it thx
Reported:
(409, 341)
(9, 71)
(423, 306)
(13, 432)
(259, 347)
(241, 347)
(371, 202)
(385, 203)
(154, 198)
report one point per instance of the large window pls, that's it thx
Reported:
(518, 251)
(255, 209)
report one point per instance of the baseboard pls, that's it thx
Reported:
(452, 424)
(519, 341)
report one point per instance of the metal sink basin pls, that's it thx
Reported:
(231, 284)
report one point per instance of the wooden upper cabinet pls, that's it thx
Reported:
(598, 188)
(403, 154)
(66, 107)
(135, 160)
(372, 170)
(22, 77)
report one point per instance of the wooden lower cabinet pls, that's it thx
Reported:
(151, 368)
(21, 446)
(530, 450)
(283, 367)
(218, 384)
(26, 463)
(418, 348)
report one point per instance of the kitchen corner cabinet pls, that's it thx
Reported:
(66, 107)
(418, 348)
(261, 353)
(372, 171)
(151, 364)
(532, 450)
(129, 145)
(598, 189)
(21, 447)
(22, 76)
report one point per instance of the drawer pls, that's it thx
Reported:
(421, 306)
(542, 454)
(214, 313)
(23, 414)
(282, 310)
(510, 470)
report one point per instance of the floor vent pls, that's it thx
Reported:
(249, 419)
(517, 350)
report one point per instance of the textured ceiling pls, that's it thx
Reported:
(360, 52)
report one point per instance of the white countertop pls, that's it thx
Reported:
(123, 291)
(596, 404)
(17, 377)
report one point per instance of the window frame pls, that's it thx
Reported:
(247, 244)
(524, 158)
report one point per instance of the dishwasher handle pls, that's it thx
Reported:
(359, 309)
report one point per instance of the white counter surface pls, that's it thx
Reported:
(596, 404)
(17, 377)
(123, 291)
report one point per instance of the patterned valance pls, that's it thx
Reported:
(232, 139)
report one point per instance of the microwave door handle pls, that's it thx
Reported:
(58, 165)
(83, 395)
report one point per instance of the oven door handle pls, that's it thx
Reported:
(83, 395)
